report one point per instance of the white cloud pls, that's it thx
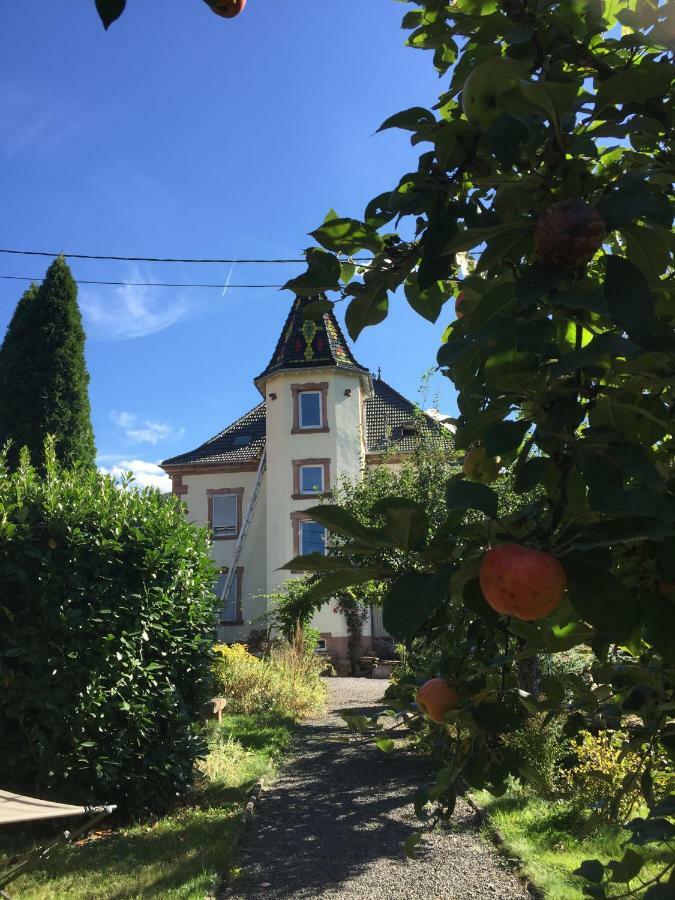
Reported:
(32, 122)
(145, 474)
(129, 311)
(145, 432)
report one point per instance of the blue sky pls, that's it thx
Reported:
(178, 133)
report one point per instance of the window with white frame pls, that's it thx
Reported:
(312, 538)
(309, 409)
(225, 515)
(229, 611)
(311, 480)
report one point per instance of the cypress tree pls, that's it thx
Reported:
(43, 375)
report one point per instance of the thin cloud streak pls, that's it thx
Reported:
(129, 312)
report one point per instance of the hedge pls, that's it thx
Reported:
(106, 633)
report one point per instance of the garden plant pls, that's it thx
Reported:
(106, 612)
(548, 158)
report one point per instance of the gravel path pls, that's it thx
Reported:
(333, 824)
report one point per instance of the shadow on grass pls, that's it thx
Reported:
(172, 858)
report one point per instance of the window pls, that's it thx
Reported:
(310, 409)
(321, 645)
(230, 611)
(310, 476)
(225, 514)
(311, 479)
(312, 538)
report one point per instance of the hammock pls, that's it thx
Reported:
(14, 809)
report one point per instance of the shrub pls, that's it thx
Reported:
(604, 770)
(540, 747)
(288, 681)
(106, 612)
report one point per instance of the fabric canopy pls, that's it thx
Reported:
(15, 808)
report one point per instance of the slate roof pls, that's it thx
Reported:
(386, 413)
(310, 342)
(242, 441)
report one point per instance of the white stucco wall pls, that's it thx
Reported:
(253, 557)
(342, 444)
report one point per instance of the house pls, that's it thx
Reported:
(322, 416)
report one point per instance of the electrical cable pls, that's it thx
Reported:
(158, 259)
(166, 284)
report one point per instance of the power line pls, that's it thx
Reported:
(159, 259)
(167, 284)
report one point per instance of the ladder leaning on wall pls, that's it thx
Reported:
(232, 571)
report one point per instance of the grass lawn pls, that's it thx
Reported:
(543, 835)
(181, 854)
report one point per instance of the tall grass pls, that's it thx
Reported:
(286, 682)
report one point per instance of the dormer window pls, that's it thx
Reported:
(310, 407)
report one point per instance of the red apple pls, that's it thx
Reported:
(435, 698)
(522, 582)
(228, 9)
(568, 234)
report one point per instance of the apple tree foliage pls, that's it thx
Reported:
(563, 367)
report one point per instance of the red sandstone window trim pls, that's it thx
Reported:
(320, 387)
(211, 492)
(311, 461)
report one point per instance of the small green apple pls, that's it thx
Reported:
(485, 84)
(480, 467)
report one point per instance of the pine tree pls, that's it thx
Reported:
(43, 375)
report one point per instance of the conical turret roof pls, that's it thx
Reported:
(307, 343)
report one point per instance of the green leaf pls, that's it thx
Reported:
(386, 745)
(334, 582)
(497, 717)
(409, 119)
(339, 521)
(532, 473)
(323, 274)
(592, 870)
(605, 346)
(464, 495)
(472, 237)
(504, 138)
(413, 599)
(428, 302)
(436, 263)
(406, 522)
(647, 249)
(316, 309)
(474, 430)
(318, 562)
(505, 437)
(629, 202)
(347, 236)
(368, 308)
(110, 10)
(629, 299)
(603, 601)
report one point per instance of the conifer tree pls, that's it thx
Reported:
(43, 375)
